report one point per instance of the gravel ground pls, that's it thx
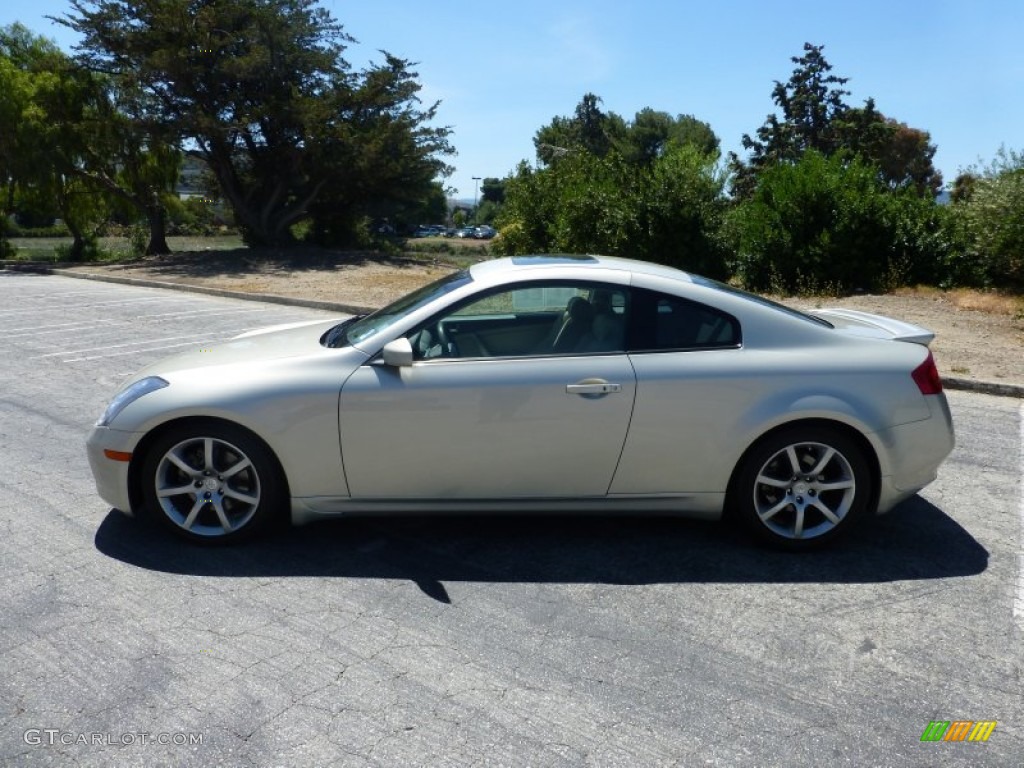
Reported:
(979, 344)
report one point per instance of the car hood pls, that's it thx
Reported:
(264, 344)
(866, 325)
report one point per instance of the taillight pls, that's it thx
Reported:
(926, 376)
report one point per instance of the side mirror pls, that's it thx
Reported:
(398, 353)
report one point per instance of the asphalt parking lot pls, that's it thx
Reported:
(468, 641)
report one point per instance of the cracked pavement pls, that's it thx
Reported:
(495, 641)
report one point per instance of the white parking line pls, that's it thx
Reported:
(205, 312)
(84, 325)
(76, 307)
(118, 346)
(137, 351)
(1018, 603)
(61, 326)
(55, 296)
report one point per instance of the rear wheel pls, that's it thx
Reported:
(803, 487)
(211, 482)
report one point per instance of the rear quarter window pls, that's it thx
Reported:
(661, 322)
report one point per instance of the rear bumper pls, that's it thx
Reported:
(910, 454)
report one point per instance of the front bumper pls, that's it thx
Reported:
(111, 475)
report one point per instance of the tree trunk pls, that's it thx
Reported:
(6, 249)
(157, 217)
(77, 251)
(264, 219)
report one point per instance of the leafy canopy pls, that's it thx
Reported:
(639, 142)
(260, 90)
(815, 117)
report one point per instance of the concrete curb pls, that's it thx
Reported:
(290, 301)
(967, 385)
(984, 387)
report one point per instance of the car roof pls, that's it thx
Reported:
(495, 267)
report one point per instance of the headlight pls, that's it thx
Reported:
(129, 395)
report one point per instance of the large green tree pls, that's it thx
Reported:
(492, 190)
(652, 133)
(101, 144)
(902, 155)
(261, 91)
(15, 98)
(380, 157)
(49, 144)
(639, 142)
(815, 117)
(76, 145)
(590, 129)
(26, 161)
(810, 102)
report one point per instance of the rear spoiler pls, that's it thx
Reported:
(857, 323)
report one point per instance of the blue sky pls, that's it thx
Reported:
(503, 69)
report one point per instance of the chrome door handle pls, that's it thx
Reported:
(592, 388)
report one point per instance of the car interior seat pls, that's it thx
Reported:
(607, 334)
(574, 323)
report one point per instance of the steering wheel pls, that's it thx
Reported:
(449, 348)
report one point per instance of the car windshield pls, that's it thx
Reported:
(709, 283)
(355, 330)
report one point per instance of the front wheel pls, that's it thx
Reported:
(803, 487)
(211, 483)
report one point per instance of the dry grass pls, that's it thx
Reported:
(403, 282)
(971, 299)
(248, 286)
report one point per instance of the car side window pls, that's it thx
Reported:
(537, 319)
(661, 322)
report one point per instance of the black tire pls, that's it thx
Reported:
(802, 488)
(212, 483)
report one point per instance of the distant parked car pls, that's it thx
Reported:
(465, 232)
(484, 232)
(428, 230)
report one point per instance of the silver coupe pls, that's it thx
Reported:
(544, 383)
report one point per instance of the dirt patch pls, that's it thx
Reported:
(978, 335)
(359, 279)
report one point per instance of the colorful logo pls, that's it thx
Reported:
(958, 730)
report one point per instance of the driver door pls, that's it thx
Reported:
(464, 422)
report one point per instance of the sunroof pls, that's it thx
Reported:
(567, 258)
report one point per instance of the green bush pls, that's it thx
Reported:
(682, 212)
(832, 222)
(994, 218)
(594, 206)
(668, 212)
(931, 244)
(7, 251)
(57, 230)
(138, 239)
(90, 250)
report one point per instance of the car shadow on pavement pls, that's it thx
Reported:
(915, 541)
